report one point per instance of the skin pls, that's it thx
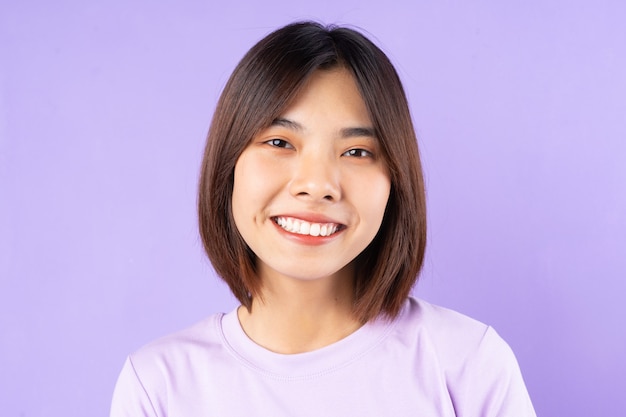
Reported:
(319, 163)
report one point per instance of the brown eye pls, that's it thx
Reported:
(358, 153)
(279, 143)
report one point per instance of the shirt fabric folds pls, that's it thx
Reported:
(429, 361)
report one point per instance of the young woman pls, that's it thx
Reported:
(312, 209)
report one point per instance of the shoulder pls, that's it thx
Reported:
(479, 367)
(178, 353)
(202, 337)
(455, 336)
(442, 320)
(174, 361)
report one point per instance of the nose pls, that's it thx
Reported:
(315, 178)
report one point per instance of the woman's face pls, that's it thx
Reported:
(310, 191)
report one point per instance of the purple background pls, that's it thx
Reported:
(521, 112)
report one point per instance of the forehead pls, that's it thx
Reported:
(328, 98)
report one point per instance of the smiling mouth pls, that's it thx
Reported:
(302, 227)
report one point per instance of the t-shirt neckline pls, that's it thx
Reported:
(307, 364)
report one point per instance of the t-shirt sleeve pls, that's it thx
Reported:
(490, 383)
(130, 398)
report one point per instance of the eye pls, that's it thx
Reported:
(359, 153)
(279, 143)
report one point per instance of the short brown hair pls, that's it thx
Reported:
(261, 87)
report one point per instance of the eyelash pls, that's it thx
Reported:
(356, 153)
(359, 153)
(279, 143)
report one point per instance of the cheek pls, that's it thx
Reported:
(248, 178)
(242, 187)
(381, 191)
(255, 183)
(373, 193)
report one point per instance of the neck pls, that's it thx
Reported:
(295, 316)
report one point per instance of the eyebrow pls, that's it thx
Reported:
(289, 124)
(348, 132)
(351, 132)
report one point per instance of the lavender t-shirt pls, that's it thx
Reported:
(429, 361)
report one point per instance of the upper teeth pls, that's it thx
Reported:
(305, 228)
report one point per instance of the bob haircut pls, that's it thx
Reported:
(262, 86)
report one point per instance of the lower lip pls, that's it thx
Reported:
(307, 239)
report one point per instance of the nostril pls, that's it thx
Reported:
(316, 187)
